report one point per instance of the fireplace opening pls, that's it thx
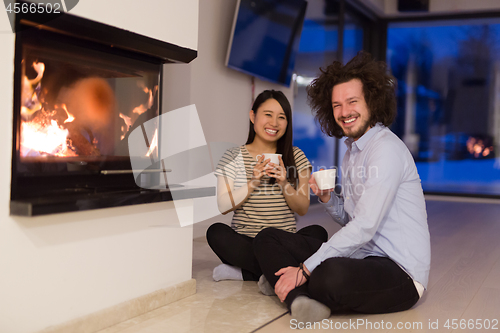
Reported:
(80, 89)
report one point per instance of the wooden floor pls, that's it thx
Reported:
(464, 286)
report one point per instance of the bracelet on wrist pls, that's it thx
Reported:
(301, 267)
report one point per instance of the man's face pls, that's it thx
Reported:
(350, 109)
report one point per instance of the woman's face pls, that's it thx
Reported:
(269, 120)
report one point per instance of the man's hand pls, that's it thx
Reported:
(289, 277)
(324, 195)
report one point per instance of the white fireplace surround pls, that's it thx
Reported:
(57, 268)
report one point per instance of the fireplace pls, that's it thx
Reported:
(80, 89)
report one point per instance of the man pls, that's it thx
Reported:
(379, 261)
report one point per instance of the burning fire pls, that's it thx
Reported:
(41, 139)
(40, 133)
(146, 106)
(477, 147)
(30, 90)
(70, 116)
(128, 124)
(48, 130)
(137, 111)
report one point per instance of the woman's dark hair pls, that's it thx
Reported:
(284, 144)
(379, 90)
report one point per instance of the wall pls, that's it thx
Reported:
(60, 267)
(150, 18)
(446, 6)
(223, 96)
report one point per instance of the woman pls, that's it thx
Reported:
(261, 194)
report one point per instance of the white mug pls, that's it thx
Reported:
(325, 179)
(273, 158)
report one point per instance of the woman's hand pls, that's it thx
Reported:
(259, 170)
(278, 172)
(290, 278)
(323, 195)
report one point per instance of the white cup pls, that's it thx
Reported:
(273, 158)
(325, 179)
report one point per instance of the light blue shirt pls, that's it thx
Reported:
(381, 208)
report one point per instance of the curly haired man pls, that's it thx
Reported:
(379, 261)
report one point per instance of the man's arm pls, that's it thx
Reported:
(376, 199)
(335, 208)
(333, 204)
(290, 278)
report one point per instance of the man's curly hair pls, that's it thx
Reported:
(379, 90)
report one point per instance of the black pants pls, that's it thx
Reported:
(370, 285)
(237, 250)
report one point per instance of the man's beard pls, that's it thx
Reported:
(358, 133)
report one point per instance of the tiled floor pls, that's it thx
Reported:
(463, 285)
(226, 306)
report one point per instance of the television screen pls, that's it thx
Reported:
(265, 38)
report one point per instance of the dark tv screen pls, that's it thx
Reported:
(265, 38)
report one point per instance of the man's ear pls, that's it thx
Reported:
(252, 116)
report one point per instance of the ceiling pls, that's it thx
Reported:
(389, 8)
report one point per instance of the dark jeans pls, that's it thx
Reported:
(370, 285)
(237, 250)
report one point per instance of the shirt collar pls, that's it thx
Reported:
(365, 138)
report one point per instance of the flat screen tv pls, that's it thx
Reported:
(265, 38)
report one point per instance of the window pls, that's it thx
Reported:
(448, 74)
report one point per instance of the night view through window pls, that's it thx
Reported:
(448, 76)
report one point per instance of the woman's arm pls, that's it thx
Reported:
(229, 199)
(296, 198)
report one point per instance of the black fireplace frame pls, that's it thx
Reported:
(89, 188)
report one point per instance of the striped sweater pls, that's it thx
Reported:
(266, 206)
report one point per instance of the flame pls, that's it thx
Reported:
(151, 98)
(41, 130)
(137, 111)
(70, 116)
(42, 139)
(40, 69)
(140, 109)
(41, 134)
(144, 107)
(154, 143)
(128, 124)
(29, 91)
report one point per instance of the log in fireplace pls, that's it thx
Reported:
(80, 88)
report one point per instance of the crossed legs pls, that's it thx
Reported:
(237, 250)
(370, 285)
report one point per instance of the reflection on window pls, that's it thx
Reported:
(449, 102)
